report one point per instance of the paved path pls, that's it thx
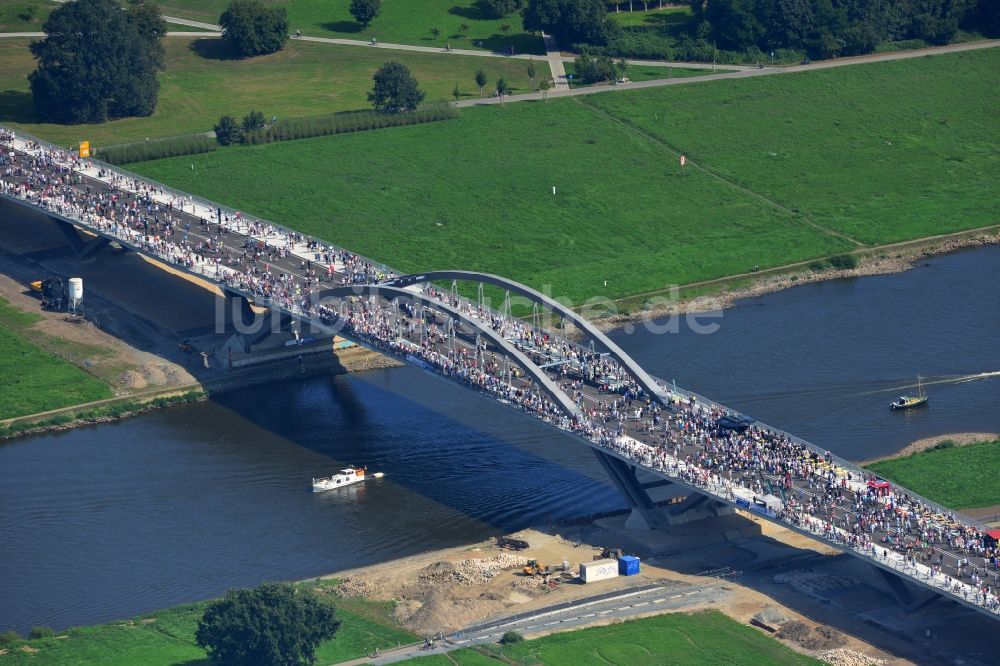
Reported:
(556, 63)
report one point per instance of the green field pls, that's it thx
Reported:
(401, 22)
(701, 638)
(34, 380)
(476, 193)
(881, 152)
(959, 477)
(167, 637)
(200, 84)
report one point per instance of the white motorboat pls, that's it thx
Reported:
(347, 477)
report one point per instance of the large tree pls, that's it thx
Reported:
(365, 11)
(274, 624)
(570, 21)
(252, 28)
(395, 89)
(98, 61)
(503, 8)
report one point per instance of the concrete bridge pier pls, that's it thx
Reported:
(648, 513)
(252, 328)
(903, 594)
(84, 245)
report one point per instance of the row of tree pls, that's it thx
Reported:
(826, 28)
(822, 28)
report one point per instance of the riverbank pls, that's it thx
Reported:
(958, 473)
(716, 295)
(956, 439)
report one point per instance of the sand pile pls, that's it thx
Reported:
(845, 657)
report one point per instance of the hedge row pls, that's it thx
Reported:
(141, 151)
(340, 123)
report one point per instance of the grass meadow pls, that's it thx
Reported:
(476, 193)
(881, 152)
(960, 477)
(790, 165)
(33, 379)
(707, 637)
(200, 84)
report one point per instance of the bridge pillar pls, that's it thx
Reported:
(696, 507)
(902, 593)
(82, 245)
(234, 312)
(644, 514)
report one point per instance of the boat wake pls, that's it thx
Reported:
(953, 379)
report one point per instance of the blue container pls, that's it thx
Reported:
(628, 565)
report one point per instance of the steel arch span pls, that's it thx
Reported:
(591, 332)
(389, 292)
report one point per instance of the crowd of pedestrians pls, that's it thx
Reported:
(672, 433)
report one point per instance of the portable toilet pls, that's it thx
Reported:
(628, 565)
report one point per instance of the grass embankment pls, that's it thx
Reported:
(199, 84)
(399, 23)
(33, 379)
(167, 637)
(790, 162)
(959, 477)
(702, 638)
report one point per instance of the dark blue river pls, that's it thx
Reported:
(111, 521)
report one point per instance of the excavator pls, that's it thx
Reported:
(535, 568)
(51, 291)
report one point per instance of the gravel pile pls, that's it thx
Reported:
(132, 379)
(845, 657)
(469, 572)
(354, 587)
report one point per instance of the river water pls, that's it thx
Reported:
(115, 520)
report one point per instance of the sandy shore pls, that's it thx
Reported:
(960, 439)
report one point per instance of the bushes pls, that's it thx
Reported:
(9, 638)
(41, 632)
(189, 144)
(593, 70)
(511, 637)
(844, 261)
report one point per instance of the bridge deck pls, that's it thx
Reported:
(822, 496)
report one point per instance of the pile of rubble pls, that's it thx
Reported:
(820, 638)
(845, 657)
(468, 572)
(353, 587)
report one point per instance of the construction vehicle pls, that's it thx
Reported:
(610, 554)
(535, 568)
(51, 291)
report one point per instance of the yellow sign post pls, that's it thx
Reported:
(84, 149)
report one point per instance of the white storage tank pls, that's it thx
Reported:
(76, 289)
(598, 570)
